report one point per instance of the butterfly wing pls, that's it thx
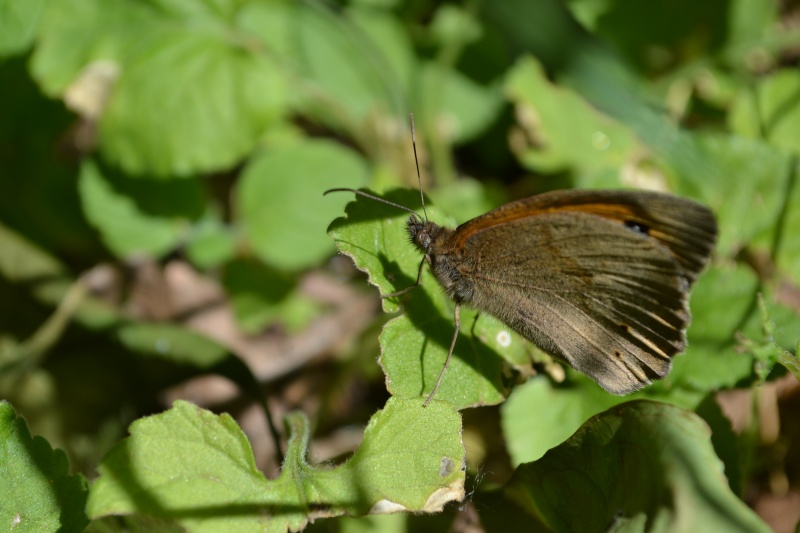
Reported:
(605, 293)
(686, 228)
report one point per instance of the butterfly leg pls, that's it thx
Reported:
(414, 286)
(449, 353)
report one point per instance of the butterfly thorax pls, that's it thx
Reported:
(447, 264)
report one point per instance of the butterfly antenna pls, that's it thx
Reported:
(373, 197)
(416, 162)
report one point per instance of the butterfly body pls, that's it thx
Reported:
(597, 279)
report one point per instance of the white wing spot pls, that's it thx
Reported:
(503, 338)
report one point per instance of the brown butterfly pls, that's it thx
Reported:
(597, 279)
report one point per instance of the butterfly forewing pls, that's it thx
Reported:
(687, 229)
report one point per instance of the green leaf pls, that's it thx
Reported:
(725, 441)
(18, 24)
(193, 94)
(414, 346)
(375, 237)
(500, 513)
(76, 33)
(787, 255)
(767, 177)
(211, 243)
(468, 198)
(133, 524)
(589, 67)
(171, 343)
(411, 459)
(195, 468)
(561, 129)
(651, 35)
(638, 466)
(136, 216)
(273, 24)
(454, 26)
(184, 464)
(389, 37)
(719, 301)
(413, 352)
(361, 69)
(351, 76)
(23, 262)
(749, 27)
(219, 99)
(280, 200)
(455, 106)
(36, 491)
(386, 523)
(770, 110)
(529, 432)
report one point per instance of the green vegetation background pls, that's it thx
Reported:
(164, 160)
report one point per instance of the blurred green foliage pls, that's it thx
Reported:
(140, 135)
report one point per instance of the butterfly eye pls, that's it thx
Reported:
(424, 240)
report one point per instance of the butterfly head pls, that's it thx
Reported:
(423, 233)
